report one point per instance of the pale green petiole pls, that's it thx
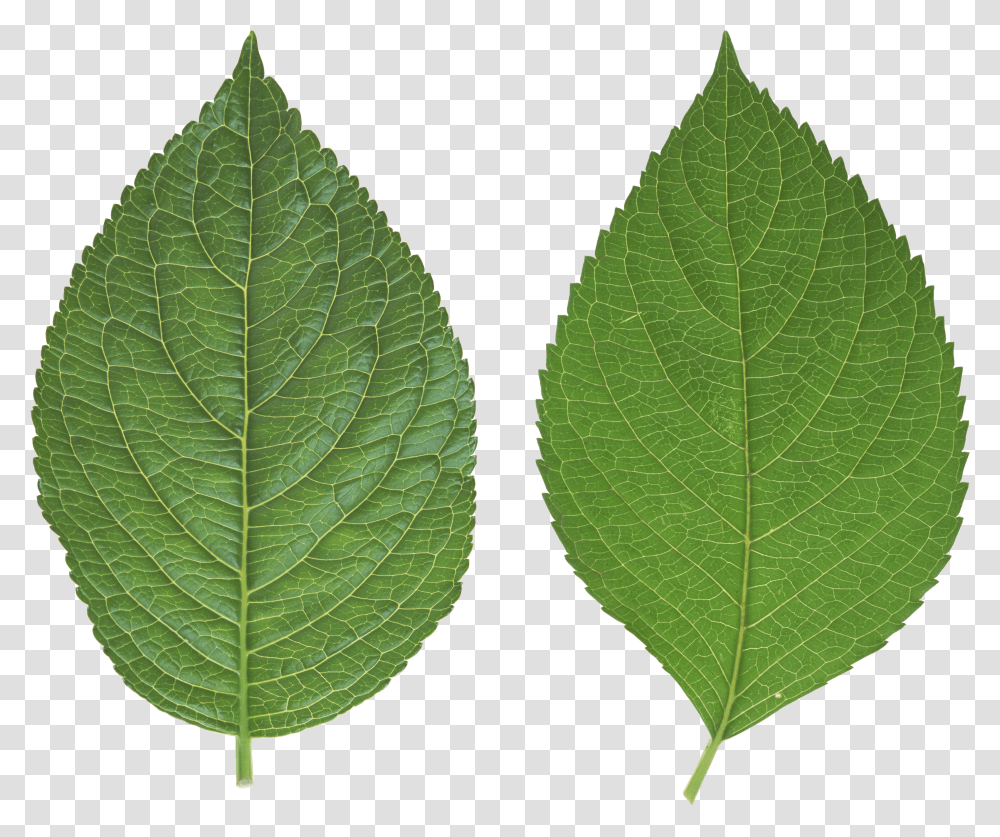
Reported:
(244, 762)
(701, 770)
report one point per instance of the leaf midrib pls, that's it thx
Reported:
(244, 700)
(721, 731)
(691, 791)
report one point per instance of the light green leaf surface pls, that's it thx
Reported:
(750, 422)
(255, 429)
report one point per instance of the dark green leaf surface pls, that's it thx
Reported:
(751, 427)
(255, 429)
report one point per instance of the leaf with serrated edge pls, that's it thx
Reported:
(751, 431)
(255, 430)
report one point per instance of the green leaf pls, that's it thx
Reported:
(255, 429)
(750, 422)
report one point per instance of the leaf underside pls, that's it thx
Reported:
(751, 431)
(255, 428)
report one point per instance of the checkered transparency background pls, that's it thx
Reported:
(499, 137)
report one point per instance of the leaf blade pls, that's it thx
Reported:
(254, 429)
(750, 379)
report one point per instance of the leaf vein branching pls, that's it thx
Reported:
(885, 525)
(353, 594)
(146, 479)
(308, 554)
(656, 534)
(166, 352)
(638, 438)
(306, 353)
(141, 546)
(642, 320)
(850, 474)
(822, 402)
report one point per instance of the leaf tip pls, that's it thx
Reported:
(250, 59)
(727, 61)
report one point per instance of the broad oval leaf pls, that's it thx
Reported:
(255, 429)
(751, 430)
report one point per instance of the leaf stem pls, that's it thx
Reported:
(705, 762)
(244, 762)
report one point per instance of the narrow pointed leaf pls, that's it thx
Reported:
(751, 431)
(255, 429)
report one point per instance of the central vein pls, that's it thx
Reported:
(244, 762)
(691, 791)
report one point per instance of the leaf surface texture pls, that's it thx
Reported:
(751, 430)
(255, 428)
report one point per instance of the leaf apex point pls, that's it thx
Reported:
(727, 60)
(250, 57)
